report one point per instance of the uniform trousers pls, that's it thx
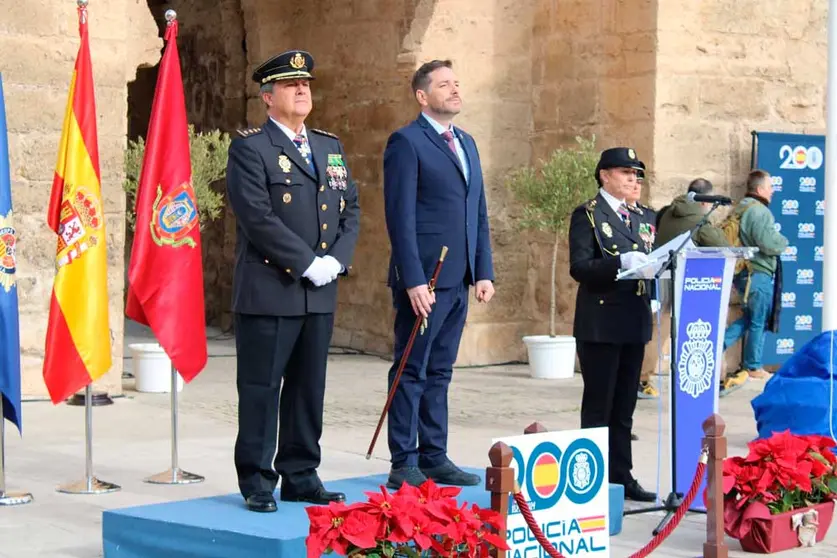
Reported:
(291, 353)
(418, 417)
(611, 377)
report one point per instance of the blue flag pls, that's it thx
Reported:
(9, 318)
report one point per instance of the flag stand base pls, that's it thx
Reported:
(8, 498)
(99, 398)
(175, 476)
(14, 498)
(91, 485)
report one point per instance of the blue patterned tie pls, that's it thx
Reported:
(305, 150)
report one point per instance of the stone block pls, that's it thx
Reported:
(800, 104)
(677, 98)
(632, 17)
(733, 98)
(492, 343)
(707, 144)
(628, 99)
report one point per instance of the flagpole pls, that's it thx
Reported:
(175, 475)
(8, 498)
(90, 484)
(829, 282)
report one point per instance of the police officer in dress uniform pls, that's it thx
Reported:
(297, 225)
(612, 318)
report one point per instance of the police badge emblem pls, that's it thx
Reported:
(8, 240)
(607, 230)
(174, 217)
(284, 163)
(581, 472)
(297, 61)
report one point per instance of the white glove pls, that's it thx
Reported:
(319, 272)
(655, 306)
(631, 260)
(334, 266)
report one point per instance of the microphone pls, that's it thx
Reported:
(720, 200)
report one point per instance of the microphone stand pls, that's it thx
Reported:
(674, 499)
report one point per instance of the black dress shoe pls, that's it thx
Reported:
(448, 473)
(319, 496)
(399, 475)
(633, 491)
(634, 437)
(261, 502)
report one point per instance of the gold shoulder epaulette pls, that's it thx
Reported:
(324, 133)
(248, 132)
(591, 204)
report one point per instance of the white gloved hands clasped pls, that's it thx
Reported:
(631, 260)
(655, 306)
(321, 271)
(334, 266)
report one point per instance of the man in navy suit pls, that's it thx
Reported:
(434, 196)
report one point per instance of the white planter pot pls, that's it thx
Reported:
(152, 368)
(551, 358)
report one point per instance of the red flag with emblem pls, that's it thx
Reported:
(165, 276)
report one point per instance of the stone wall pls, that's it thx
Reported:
(593, 70)
(724, 69)
(38, 45)
(364, 58)
(683, 82)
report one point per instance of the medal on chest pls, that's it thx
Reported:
(647, 233)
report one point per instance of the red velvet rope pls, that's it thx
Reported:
(644, 551)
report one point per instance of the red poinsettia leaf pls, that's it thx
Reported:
(360, 529)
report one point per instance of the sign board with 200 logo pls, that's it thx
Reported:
(796, 164)
(564, 477)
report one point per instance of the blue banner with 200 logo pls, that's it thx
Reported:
(796, 163)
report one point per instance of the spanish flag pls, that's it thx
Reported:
(78, 342)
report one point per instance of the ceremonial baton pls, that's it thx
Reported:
(422, 324)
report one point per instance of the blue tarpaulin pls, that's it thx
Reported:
(799, 395)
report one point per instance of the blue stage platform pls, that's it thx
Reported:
(221, 526)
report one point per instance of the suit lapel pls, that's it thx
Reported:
(280, 140)
(615, 220)
(470, 154)
(436, 138)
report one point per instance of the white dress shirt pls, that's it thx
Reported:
(460, 151)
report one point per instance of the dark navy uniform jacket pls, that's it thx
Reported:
(429, 203)
(286, 215)
(609, 311)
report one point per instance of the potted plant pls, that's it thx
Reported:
(413, 522)
(781, 495)
(548, 195)
(208, 155)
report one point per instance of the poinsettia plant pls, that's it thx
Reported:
(784, 472)
(413, 522)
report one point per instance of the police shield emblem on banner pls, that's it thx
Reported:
(563, 476)
(7, 252)
(174, 216)
(704, 282)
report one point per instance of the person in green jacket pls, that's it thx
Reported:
(756, 229)
(683, 215)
